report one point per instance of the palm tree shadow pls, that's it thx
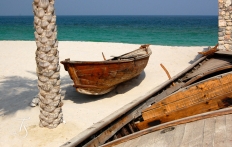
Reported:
(16, 94)
(73, 95)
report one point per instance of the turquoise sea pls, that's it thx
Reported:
(157, 30)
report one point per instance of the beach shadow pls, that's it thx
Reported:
(16, 94)
(73, 95)
(128, 85)
(198, 56)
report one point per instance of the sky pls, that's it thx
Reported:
(116, 7)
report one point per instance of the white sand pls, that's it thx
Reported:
(18, 85)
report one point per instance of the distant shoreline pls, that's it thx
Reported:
(102, 15)
(170, 30)
(70, 41)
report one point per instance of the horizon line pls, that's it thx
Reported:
(126, 15)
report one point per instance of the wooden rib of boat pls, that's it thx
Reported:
(205, 87)
(100, 77)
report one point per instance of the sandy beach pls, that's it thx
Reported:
(19, 123)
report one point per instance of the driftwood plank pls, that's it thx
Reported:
(220, 132)
(211, 51)
(209, 130)
(229, 130)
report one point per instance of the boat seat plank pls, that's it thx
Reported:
(220, 131)
(209, 128)
(228, 130)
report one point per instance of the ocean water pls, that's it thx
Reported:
(156, 30)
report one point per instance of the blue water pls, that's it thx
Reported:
(157, 30)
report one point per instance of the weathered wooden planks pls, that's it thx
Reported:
(212, 94)
(207, 132)
(207, 137)
(215, 64)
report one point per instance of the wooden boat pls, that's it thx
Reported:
(197, 104)
(100, 77)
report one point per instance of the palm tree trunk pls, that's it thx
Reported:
(47, 60)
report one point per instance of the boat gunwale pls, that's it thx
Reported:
(111, 61)
(99, 62)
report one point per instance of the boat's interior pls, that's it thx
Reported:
(207, 87)
(143, 51)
